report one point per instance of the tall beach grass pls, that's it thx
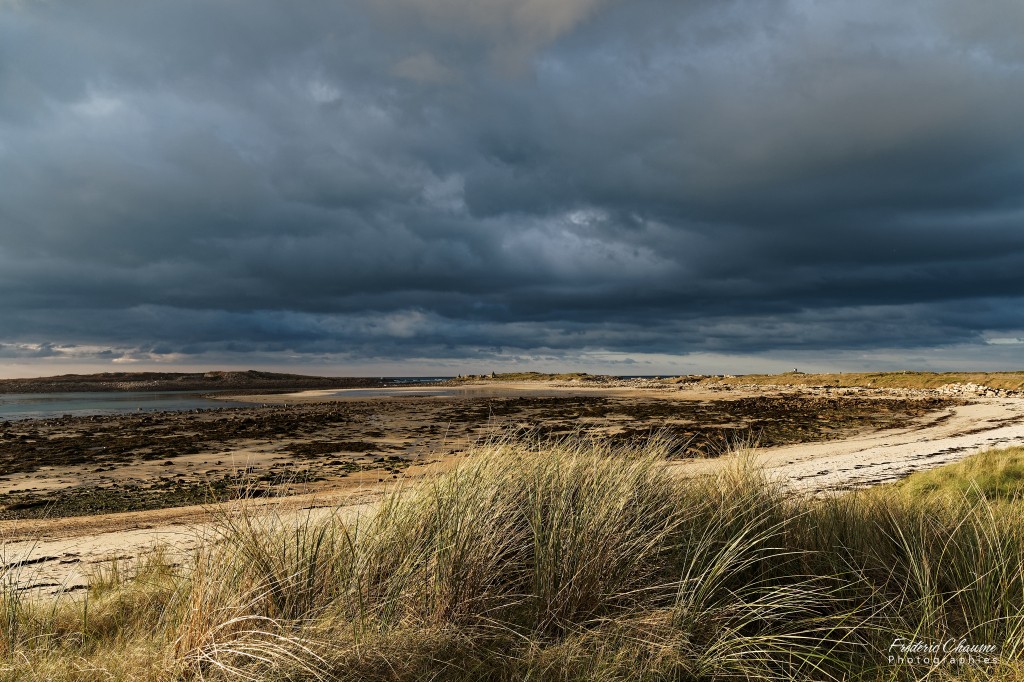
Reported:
(564, 560)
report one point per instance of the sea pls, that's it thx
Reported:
(48, 405)
(14, 406)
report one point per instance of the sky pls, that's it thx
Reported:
(436, 187)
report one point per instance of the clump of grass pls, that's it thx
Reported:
(994, 475)
(559, 560)
(529, 559)
(118, 629)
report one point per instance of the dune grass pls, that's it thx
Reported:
(1004, 380)
(570, 560)
(995, 476)
(920, 380)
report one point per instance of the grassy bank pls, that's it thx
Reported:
(567, 561)
(995, 476)
(1004, 380)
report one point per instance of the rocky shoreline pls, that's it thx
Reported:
(106, 463)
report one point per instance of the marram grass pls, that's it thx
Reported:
(994, 475)
(568, 560)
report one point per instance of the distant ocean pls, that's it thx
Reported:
(48, 405)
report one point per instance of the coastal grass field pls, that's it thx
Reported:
(902, 379)
(1013, 381)
(994, 476)
(567, 559)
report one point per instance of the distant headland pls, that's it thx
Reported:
(182, 381)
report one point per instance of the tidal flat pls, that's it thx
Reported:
(84, 465)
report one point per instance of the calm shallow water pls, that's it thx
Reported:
(46, 405)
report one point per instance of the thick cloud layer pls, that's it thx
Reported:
(446, 181)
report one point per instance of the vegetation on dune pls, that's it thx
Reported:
(1004, 380)
(921, 380)
(571, 560)
(995, 476)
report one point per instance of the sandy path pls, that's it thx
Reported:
(58, 555)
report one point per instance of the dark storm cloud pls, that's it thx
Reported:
(457, 178)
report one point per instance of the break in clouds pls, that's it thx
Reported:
(439, 182)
